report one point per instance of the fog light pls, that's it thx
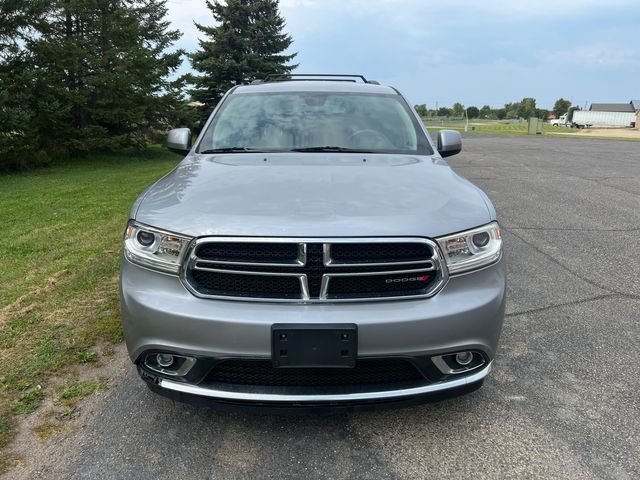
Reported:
(164, 360)
(464, 358)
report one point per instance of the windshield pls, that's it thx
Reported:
(315, 121)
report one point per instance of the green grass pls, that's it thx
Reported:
(62, 229)
(489, 127)
(27, 402)
(494, 127)
(75, 390)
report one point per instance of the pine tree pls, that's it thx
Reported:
(18, 24)
(94, 74)
(247, 43)
(104, 72)
(17, 21)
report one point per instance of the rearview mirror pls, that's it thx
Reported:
(179, 141)
(449, 142)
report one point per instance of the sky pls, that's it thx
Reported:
(482, 52)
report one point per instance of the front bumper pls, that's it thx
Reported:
(265, 403)
(159, 314)
(369, 396)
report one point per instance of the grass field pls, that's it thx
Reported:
(493, 127)
(59, 268)
(505, 128)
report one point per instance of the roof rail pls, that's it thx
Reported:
(315, 76)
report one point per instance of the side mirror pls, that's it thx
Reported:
(179, 141)
(449, 142)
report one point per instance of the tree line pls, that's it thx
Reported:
(525, 108)
(78, 76)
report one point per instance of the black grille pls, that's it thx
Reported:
(366, 372)
(249, 252)
(413, 256)
(242, 285)
(379, 252)
(386, 284)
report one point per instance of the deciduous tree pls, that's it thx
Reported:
(473, 112)
(458, 109)
(485, 111)
(561, 107)
(422, 110)
(527, 108)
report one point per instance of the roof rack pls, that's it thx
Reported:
(332, 77)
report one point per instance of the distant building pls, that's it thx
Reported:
(613, 107)
(636, 105)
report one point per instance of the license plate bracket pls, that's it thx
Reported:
(306, 345)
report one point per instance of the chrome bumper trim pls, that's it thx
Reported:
(346, 397)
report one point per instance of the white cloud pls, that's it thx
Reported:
(183, 13)
(416, 18)
(438, 11)
(490, 51)
(602, 55)
(536, 8)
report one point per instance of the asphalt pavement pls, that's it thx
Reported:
(562, 402)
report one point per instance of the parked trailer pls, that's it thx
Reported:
(587, 118)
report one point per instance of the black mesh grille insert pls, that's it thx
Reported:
(242, 285)
(385, 284)
(366, 372)
(249, 252)
(379, 252)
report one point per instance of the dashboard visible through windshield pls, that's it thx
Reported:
(315, 122)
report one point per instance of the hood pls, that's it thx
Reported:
(313, 195)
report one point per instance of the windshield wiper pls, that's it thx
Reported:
(231, 150)
(330, 149)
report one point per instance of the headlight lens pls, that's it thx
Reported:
(472, 249)
(154, 248)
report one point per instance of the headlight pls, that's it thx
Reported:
(154, 248)
(472, 249)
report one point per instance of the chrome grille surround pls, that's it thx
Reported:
(435, 265)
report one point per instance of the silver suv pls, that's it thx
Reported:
(312, 250)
